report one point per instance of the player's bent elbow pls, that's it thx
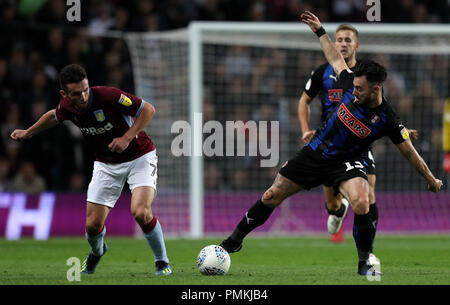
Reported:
(151, 109)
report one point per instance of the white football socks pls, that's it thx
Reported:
(155, 239)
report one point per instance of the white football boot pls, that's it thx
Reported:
(373, 260)
(334, 223)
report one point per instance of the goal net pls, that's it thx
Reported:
(226, 97)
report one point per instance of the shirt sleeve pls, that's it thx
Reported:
(315, 83)
(127, 103)
(396, 131)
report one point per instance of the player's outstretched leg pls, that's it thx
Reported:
(260, 212)
(254, 217)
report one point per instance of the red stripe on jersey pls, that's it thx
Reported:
(355, 125)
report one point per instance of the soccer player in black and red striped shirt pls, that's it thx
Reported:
(333, 156)
(112, 123)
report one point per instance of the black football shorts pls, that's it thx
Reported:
(308, 171)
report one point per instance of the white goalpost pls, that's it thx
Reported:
(239, 71)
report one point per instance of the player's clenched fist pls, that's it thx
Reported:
(20, 134)
(307, 136)
(118, 145)
(435, 186)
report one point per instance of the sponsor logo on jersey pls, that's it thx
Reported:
(405, 133)
(125, 100)
(92, 131)
(355, 125)
(99, 115)
(334, 95)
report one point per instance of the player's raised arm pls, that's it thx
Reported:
(410, 153)
(47, 120)
(333, 56)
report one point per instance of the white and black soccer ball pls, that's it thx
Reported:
(213, 260)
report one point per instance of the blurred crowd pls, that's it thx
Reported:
(37, 40)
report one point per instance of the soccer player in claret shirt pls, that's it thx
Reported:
(333, 156)
(112, 123)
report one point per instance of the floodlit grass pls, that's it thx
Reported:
(419, 260)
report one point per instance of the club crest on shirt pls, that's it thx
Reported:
(375, 119)
(334, 95)
(124, 100)
(99, 115)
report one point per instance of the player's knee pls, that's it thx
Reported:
(272, 198)
(141, 215)
(360, 205)
(94, 227)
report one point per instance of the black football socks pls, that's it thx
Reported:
(363, 234)
(373, 211)
(254, 217)
(339, 213)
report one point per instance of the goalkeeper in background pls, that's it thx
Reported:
(446, 136)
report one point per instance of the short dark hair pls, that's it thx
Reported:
(374, 72)
(71, 74)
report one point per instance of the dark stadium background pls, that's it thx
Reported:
(36, 41)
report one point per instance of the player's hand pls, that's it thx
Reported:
(413, 133)
(20, 134)
(435, 186)
(118, 145)
(446, 164)
(311, 20)
(307, 136)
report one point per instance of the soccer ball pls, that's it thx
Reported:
(213, 260)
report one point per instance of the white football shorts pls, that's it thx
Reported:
(108, 179)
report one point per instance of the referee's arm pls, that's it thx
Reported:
(410, 153)
(334, 57)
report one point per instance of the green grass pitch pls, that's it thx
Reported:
(420, 260)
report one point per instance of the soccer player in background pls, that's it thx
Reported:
(333, 156)
(112, 123)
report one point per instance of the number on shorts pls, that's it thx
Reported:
(154, 169)
(350, 167)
